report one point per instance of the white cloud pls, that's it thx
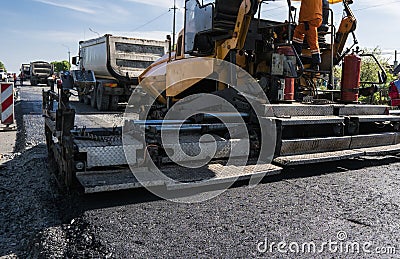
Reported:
(51, 36)
(159, 3)
(77, 7)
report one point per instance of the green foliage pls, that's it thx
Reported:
(2, 66)
(337, 75)
(369, 73)
(369, 67)
(61, 66)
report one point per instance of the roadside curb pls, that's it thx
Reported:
(7, 147)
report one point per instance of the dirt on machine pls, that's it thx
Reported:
(237, 91)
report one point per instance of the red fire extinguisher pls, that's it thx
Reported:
(350, 85)
(289, 82)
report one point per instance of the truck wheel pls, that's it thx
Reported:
(103, 101)
(114, 102)
(33, 83)
(81, 97)
(93, 98)
(49, 138)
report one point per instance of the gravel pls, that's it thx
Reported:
(36, 217)
(354, 200)
(315, 205)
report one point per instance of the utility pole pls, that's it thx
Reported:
(69, 53)
(174, 25)
(396, 63)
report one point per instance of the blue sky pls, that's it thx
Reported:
(46, 29)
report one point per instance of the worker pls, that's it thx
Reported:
(21, 78)
(310, 19)
(15, 79)
(325, 16)
(394, 91)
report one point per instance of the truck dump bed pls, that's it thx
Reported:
(120, 58)
(41, 68)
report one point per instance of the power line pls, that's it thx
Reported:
(378, 5)
(152, 20)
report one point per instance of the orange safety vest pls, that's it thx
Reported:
(310, 10)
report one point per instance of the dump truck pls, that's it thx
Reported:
(109, 66)
(40, 72)
(234, 101)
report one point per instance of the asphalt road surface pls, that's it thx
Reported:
(347, 209)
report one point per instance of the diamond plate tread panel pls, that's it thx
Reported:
(317, 158)
(376, 118)
(381, 151)
(308, 120)
(397, 138)
(104, 181)
(179, 178)
(83, 144)
(314, 145)
(282, 110)
(190, 151)
(107, 153)
(106, 120)
(373, 140)
(105, 156)
(361, 109)
(214, 174)
(394, 112)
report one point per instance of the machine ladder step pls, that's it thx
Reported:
(376, 118)
(382, 151)
(174, 178)
(308, 120)
(317, 157)
(304, 159)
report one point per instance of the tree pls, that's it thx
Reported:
(369, 73)
(369, 67)
(61, 66)
(2, 66)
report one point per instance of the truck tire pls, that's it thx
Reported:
(114, 99)
(33, 82)
(93, 98)
(81, 98)
(102, 100)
